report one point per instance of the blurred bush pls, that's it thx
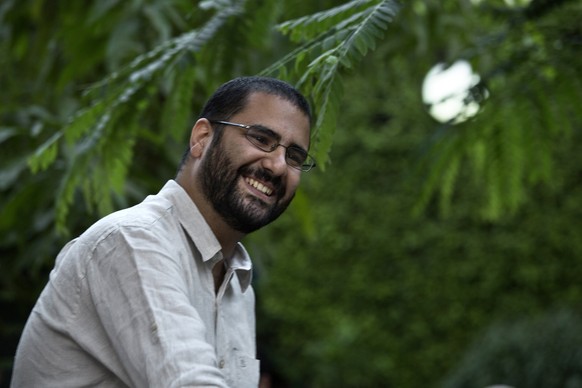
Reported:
(540, 352)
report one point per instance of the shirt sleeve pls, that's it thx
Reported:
(140, 294)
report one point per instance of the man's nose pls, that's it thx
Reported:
(275, 161)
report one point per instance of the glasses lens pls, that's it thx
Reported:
(262, 139)
(295, 157)
(308, 164)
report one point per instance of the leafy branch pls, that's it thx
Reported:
(332, 41)
(98, 141)
(511, 145)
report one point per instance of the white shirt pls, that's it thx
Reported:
(132, 302)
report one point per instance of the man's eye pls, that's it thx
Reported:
(296, 155)
(261, 139)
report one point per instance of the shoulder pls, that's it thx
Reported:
(152, 220)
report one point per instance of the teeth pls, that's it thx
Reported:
(263, 189)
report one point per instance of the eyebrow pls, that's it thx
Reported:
(275, 134)
(268, 130)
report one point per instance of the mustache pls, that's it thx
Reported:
(265, 176)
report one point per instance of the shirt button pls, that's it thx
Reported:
(221, 364)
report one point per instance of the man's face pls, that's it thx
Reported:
(248, 187)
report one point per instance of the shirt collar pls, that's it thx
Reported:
(241, 263)
(204, 239)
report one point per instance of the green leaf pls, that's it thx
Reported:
(176, 110)
(46, 154)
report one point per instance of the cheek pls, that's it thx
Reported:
(247, 154)
(292, 184)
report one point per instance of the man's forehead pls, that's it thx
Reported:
(276, 113)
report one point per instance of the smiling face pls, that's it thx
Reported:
(248, 187)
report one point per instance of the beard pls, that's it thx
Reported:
(220, 184)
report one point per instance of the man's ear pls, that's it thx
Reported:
(199, 137)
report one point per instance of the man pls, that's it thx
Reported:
(159, 295)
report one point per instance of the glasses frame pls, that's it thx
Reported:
(307, 165)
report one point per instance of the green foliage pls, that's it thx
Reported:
(340, 37)
(378, 298)
(526, 66)
(120, 101)
(332, 41)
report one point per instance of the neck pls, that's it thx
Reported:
(226, 236)
(218, 273)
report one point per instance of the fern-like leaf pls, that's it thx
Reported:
(335, 40)
(45, 155)
(100, 138)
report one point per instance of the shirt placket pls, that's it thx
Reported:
(222, 343)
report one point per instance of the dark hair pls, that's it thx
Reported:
(231, 97)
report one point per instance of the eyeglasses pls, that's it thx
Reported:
(267, 140)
